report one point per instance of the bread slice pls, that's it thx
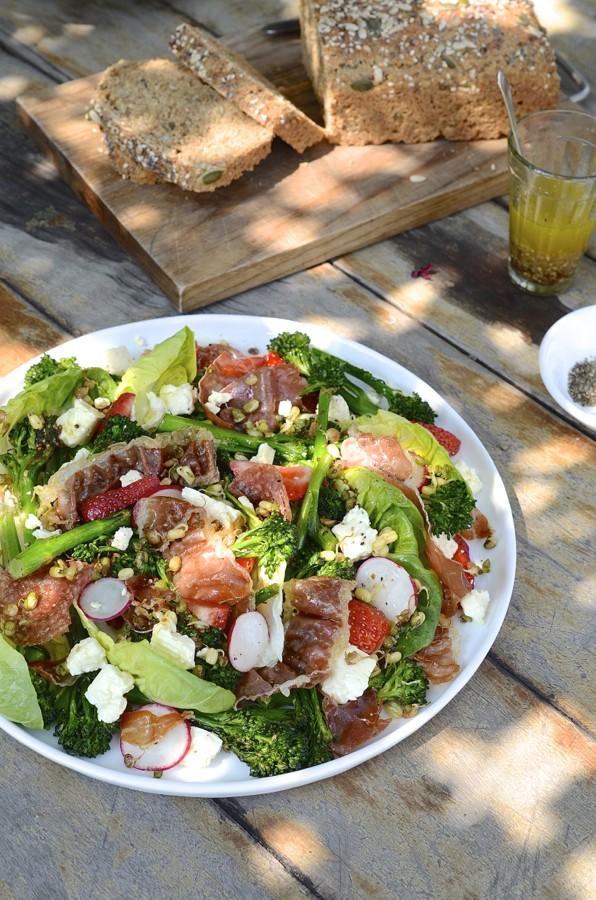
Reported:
(411, 71)
(235, 78)
(162, 124)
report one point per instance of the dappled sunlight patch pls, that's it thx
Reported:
(548, 457)
(294, 839)
(142, 215)
(12, 85)
(513, 344)
(542, 496)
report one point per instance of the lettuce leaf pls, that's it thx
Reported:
(159, 679)
(47, 397)
(173, 361)
(18, 700)
(388, 507)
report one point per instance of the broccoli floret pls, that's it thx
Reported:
(269, 740)
(79, 731)
(117, 429)
(47, 696)
(322, 369)
(224, 676)
(309, 712)
(92, 551)
(449, 507)
(273, 542)
(46, 367)
(213, 637)
(403, 682)
(143, 559)
(309, 562)
(34, 455)
(331, 503)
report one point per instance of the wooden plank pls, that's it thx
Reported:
(23, 333)
(288, 214)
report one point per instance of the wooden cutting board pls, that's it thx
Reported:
(290, 213)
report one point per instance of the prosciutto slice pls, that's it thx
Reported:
(480, 527)
(80, 479)
(382, 455)
(209, 574)
(51, 615)
(260, 481)
(317, 635)
(208, 354)
(437, 659)
(355, 722)
(248, 380)
(451, 574)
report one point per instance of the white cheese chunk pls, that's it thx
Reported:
(102, 403)
(355, 534)
(106, 692)
(121, 538)
(179, 400)
(284, 408)
(339, 411)
(86, 656)
(216, 400)
(154, 413)
(265, 454)
(470, 476)
(117, 360)
(78, 423)
(204, 747)
(177, 648)
(475, 605)
(32, 522)
(217, 510)
(130, 477)
(446, 545)
(40, 534)
(350, 675)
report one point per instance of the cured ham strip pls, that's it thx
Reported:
(154, 517)
(316, 636)
(53, 598)
(382, 455)
(437, 659)
(80, 479)
(480, 527)
(452, 576)
(249, 381)
(355, 722)
(208, 354)
(209, 574)
(260, 481)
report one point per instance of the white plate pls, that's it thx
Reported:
(570, 340)
(227, 777)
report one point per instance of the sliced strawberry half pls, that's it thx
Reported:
(368, 626)
(446, 439)
(103, 505)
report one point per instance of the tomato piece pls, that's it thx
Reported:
(103, 505)
(273, 359)
(296, 480)
(216, 616)
(368, 626)
(247, 562)
(462, 556)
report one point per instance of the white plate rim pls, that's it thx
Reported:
(549, 358)
(236, 329)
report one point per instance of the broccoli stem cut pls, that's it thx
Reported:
(9, 539)
(45, 550)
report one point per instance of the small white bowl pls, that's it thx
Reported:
(569, 341)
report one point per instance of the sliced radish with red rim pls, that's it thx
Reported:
(391, 588)
(154, 737)
(105, 599)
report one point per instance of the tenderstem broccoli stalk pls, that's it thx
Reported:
(10, 546)
(308, 525)
(45, 550)
(289, 449)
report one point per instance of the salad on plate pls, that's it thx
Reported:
(210, 551)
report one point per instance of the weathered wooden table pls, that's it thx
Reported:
(493, 798)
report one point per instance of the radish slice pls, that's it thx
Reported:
(154, 737)
(105, 599)
(391, 588)
(172, 491)
(248, 639)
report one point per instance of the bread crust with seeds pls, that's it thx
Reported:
(161, 124)
(237, 80)
(413, 71)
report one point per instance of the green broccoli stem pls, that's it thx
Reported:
(10, 545)
(358, 400)
(307, 525)
(45, 550)
(236, 441)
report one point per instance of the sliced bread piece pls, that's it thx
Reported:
(162, 124)
(235, 78)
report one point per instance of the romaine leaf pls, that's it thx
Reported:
(47, 397)
(18, 700)
(173, 361)
(104, 386)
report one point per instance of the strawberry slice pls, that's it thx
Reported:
(103, 505)
(368, 626)
(247, 562)
(446, 439)
(296, 480)
(462, 556)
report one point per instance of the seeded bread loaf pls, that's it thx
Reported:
(416, 70)
(237, 80)
(161, 123)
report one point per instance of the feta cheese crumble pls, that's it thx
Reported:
(216, 400)
(339, 411)
(446, 545)
(284, 408)
(222, 512)
(117, 360)
(355, 534)
(204, 747)
(475, 605)
(470, 476)
(179, 401)
(265, 454)
(121, 538)
(86, 656)
(350, 675)
(156, 410)
(177, 648)
(78, 423)
(130, 477)
(106, 692)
